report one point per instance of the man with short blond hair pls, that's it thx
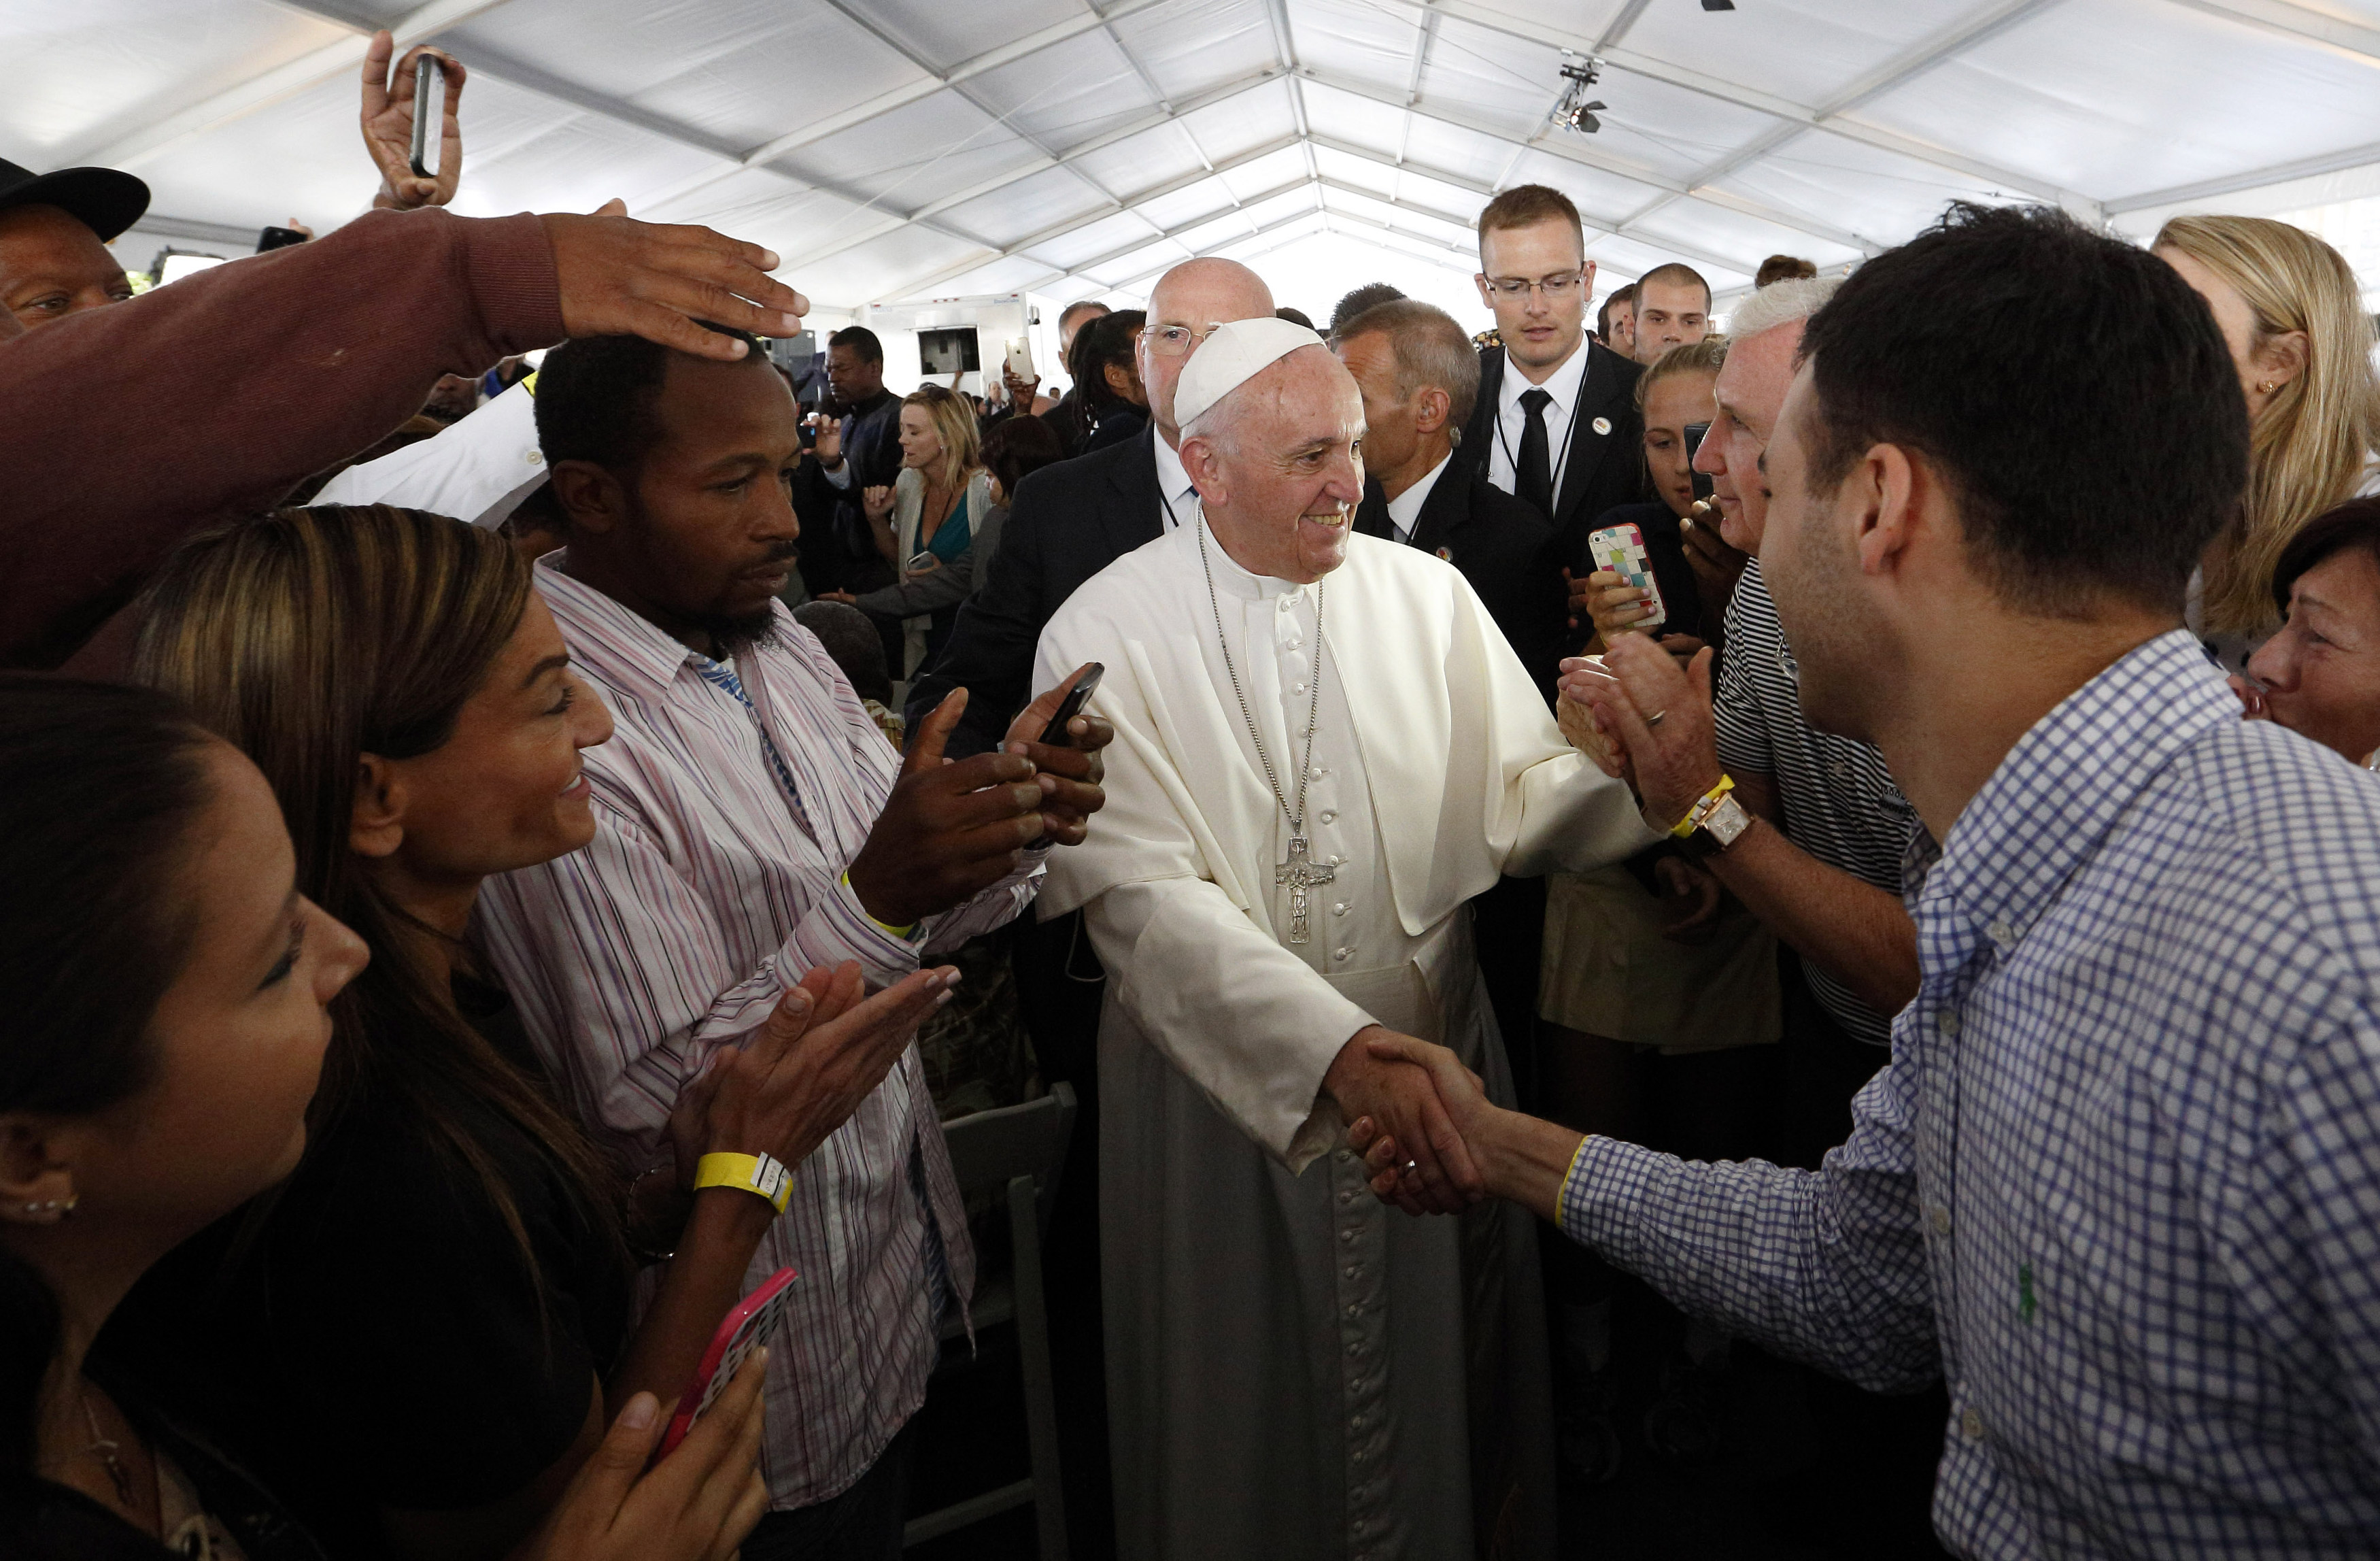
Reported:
(1560, 431)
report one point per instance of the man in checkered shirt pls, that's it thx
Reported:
(2119, 1187)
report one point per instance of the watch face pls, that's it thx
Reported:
(1727, 822)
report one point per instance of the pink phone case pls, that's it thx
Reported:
(740, 1333)
(1620, 549)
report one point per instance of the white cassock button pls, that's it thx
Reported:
(1340, 955)
(1320, 771)
(1328, 816)
(535, 458)
(1603, 425)
(1346, 1155)
(1346, 1238)
(1339, 909)
(1297, 688)
(1286, 603)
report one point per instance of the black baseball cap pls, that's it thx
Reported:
(105, 200)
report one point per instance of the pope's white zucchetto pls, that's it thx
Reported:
(1234, 354)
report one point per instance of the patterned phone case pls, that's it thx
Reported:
(1620, 549)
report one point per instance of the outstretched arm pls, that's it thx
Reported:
(1827, 1265)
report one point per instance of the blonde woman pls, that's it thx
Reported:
(927, 519)
(2288, 309)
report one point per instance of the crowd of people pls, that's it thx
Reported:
(1830, 828)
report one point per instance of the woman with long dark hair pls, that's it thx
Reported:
(167, 992)
(416, 1336)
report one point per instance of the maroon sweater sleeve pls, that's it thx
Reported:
(129, 427)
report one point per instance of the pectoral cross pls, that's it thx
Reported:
(1301, 874)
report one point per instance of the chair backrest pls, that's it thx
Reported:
(989, 1148)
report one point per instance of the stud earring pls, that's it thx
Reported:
(56, 1208)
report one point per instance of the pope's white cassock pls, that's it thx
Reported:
(1295, 1370)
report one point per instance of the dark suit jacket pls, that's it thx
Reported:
(1603, 472)
(840, 554)
(1067, 522)
(1504, 549)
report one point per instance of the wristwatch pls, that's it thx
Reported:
(1716, 822)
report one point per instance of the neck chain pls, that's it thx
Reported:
(1300, 874)
(105, 1448)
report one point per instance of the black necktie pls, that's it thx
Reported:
(1533, 477)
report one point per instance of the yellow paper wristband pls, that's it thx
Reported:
(887, 926)
(1702, 805)
(761, 1175)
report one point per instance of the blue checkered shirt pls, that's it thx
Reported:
(2121, 1184)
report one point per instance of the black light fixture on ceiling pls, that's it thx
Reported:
(1719, 4)
(1574, 111)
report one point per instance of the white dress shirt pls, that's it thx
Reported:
(1512, 418)
(1405, 509)
(1179, 495)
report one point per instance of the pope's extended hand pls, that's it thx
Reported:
(1460, 1097)
(1069, 775)
(1379, 1083)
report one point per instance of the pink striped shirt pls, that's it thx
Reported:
(701, 899)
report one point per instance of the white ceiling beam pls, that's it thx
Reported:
(895, 221)
(126, 149)
(2253, 178)
(1573, 150)
(2298, 23)
(860, 18)
(1284, 43)
(1148, 83)
(1404, 243)
(1084, 267)
(1458, 181)
(903, 96)
(1060, 229)
(1888, 77)
(529, 78)
(1620, 25)
(1273, 226)
(1531, 30)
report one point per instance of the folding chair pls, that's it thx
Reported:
(1018, 1150)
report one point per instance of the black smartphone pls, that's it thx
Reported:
(1695, 433)
(1055, 735)
(278, 239)
(425, 72)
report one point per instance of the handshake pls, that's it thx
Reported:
(1422, 1121)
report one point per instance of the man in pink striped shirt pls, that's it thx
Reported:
(751, 822)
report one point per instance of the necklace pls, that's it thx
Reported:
(1300, 874)
(105, 1448)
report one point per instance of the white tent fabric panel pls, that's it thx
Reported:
(900, 148)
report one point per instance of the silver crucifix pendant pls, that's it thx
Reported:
(1301, 873)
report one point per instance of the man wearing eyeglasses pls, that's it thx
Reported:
(1556, 423)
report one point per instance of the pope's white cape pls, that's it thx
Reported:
(1466, 771)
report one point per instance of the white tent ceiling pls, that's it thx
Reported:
(907, 148)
